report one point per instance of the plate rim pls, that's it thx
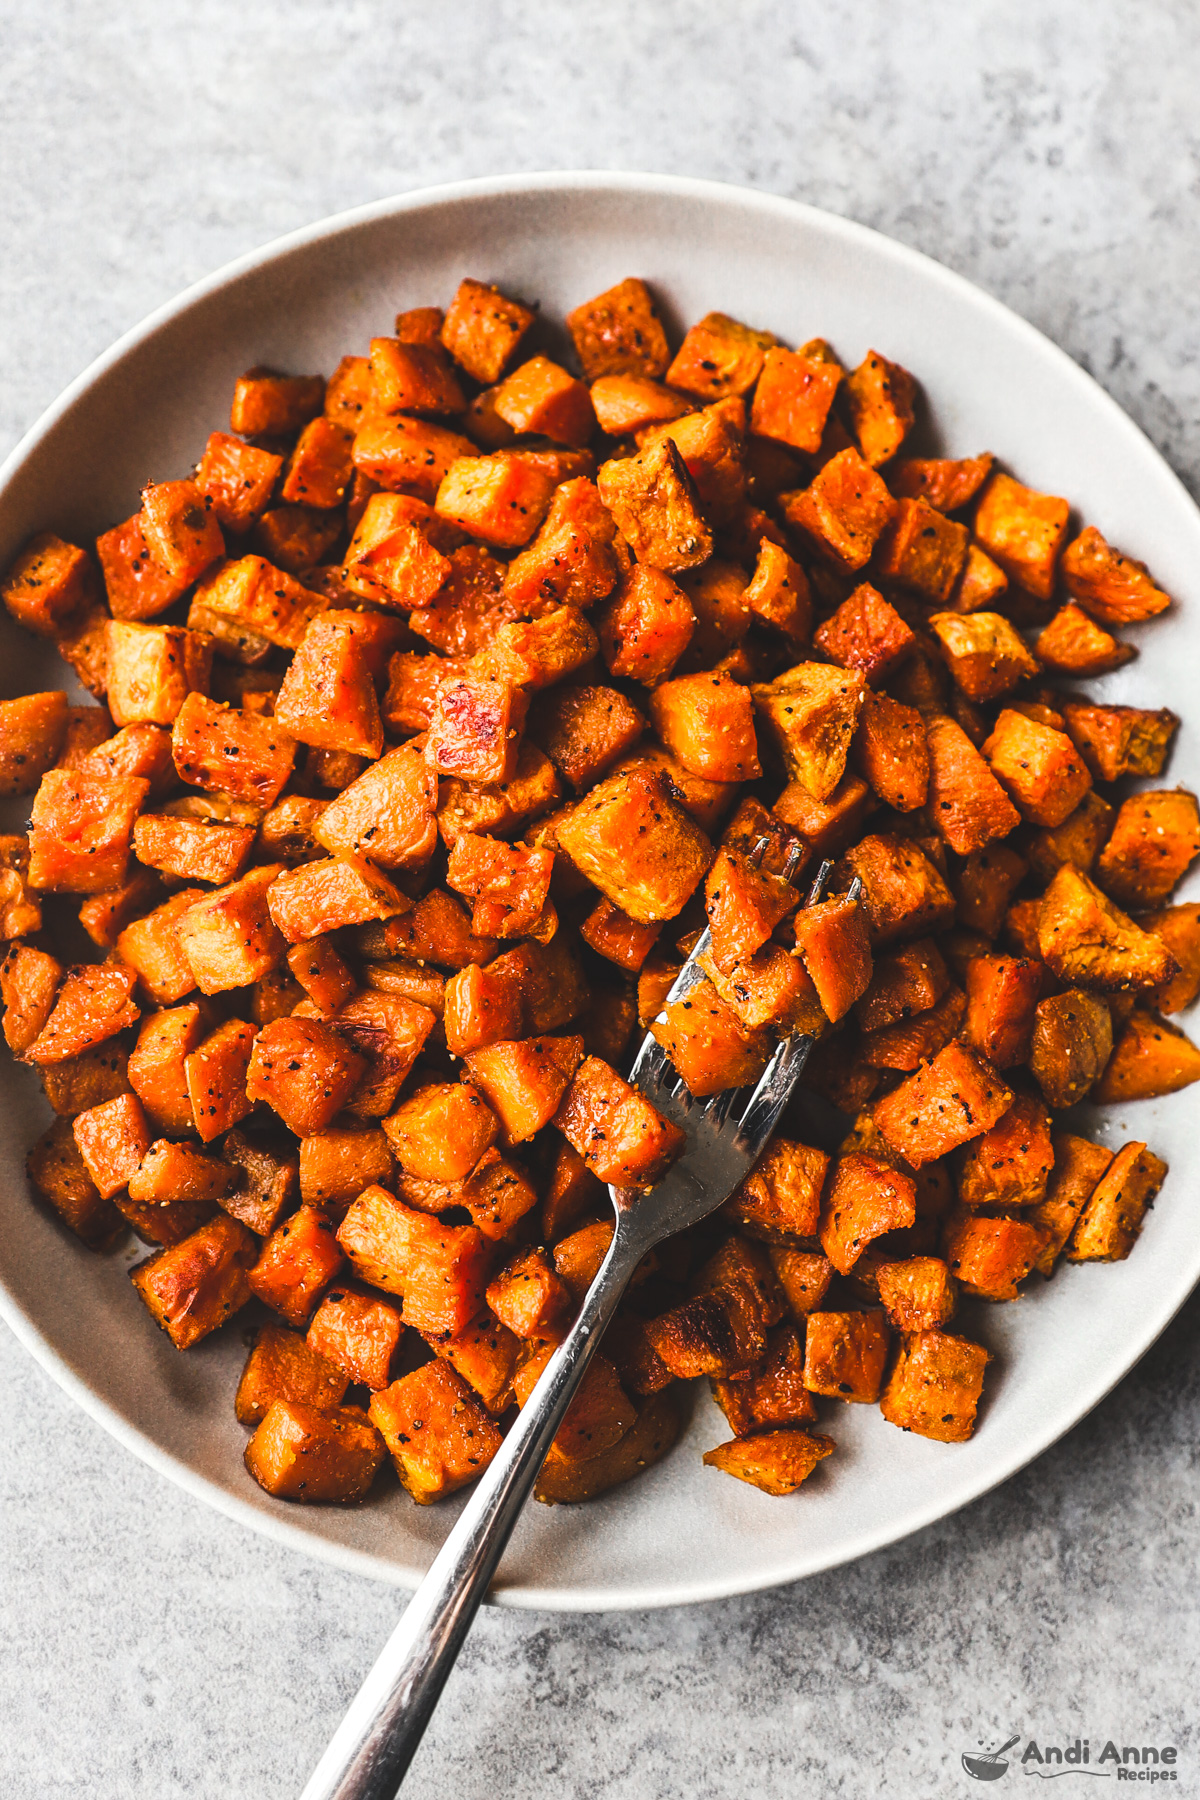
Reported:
(616, 1597)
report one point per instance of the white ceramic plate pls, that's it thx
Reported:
(682, 1532)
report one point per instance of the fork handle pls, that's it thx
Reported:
(371, 1749)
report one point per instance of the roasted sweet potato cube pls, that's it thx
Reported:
(439, 1434)
(744, 903)
(769, 988)
(1071, 1044)
(266, 404)
(1120, 740)
(891, 752)
(171, 1172)
(719, 1332)
(437, 931)
(216, 1078)
(498, 499)
(619, 333)
(542, 398)
(394, 558)
(1002, 997)
(536, 653)
(329, 895)
(231, 751)
(20, 907)
(1010, 1164)
(482, 329)
(646, 627)
(48, 583)
(793, 396)
(298, 1260)
(509, 884)
(620, 1135)
(181, 528)
(227, 938)
(843, 512)
(903, 893)
(441, 1270)
(528, 1297)
(866, 1199)
(1023, 531)
(302, 1453)
(572, 560)
(865, 633)
(236, 480)
(260, 601)
(923, 551)
(1154, 841)
(152, 669)
(625, 404)
(1086, 939)
(640, 1368)
(945, 484)
(719, 357)
(1179, 929)
(833, 940)
(578, 1258)
(305, 1071)
(708, 1044)
(81, 826)
(485, 1006)
(966, 803)
(112, 1139)
(1039, 767)
(1073, 644)
(413, 377)
(86, 1080)
(810, 713)
(328, 697)
(92, 1005)
(707, 721)
(570, 1190)
(779, 593)
(322, 974)
(266, 1182)
(712, 443)
(357, 1332)
(583, 730)
(1109, 586)
(781, 1196)
(486, 1354)
(152, 948)
(338, 1163)
(990, 1256)
(295, 539)
(879, 399)
(935, 1385)
(908, 982)
(440, 1132)
(910, 1042)
(723, 618)
(59, 1175)
(497, 1195)
(985, 654)
(413, 682)
(775, 1397)
(1078, 1166)
(742, 1260)
(33, 730)
(918, 1294)
(192, 849)
(1150, 1058)
(654, 501)
(1077, 840)
(196, 1285)
(637, 845)
(524, 1081)
(29, 981)
(845, 1354)
(281, 1366)
(612, 934)
(1113, 1215)
(775, 1461)
(957, 1097)
(408, 456)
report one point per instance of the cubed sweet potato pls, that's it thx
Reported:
(486, 1354)
(843, 512)
(1113, 1215)
(719, 357)
(81, 828)
(1002, 996)
(619, 333)
(967, 805)
(1120, 740)
(779, 593)
(1071, 1044)
(305, 1071)
(1109, 586)
(231, 751)
(192, 849)
(33, 730)
(879, 399)
(29, 981)
(440, 1132)
(904, 894)
(20, 907)
(1023, 531)
(194, 1286)
(302, 1453)
(1078, 1166)
(482, 329)
(637, 845)
(440, 1270)
(620, 1135)
(810, 713)
(720, 1332)
(904, 984)
(744, 903)
(1154, 840)
(957, 1097)
(654, 502)
(524, 1081)
(845, 1354)
(281, 1366)
(328, 697)
(909, 1042)
(707, 1043)
(529, 1298)
(781, 1196)
(1150, 1058)
(439, 1434)
(1010, 1164)
(170, 1172)
(891, 752)
(49, 581)
(935, 1386)
(112, 1139)
(625, 404)
(358, 1332)
(866, 1199)
(775, 1461)
(1039, 767)
(93, 1003)
(793, 396)
(865, 633)
(991, 1256)
(646, 626)
(536, 653)
(707, 721)
(266, 1181)
(1072, 644)
(86, 1080)
(227, 937)
(923, 551)
(58, 1175)
(918, 1294)
(1087, 940)
(1179, 929)
(834, 942)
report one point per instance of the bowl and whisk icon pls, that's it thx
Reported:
(988, 1766)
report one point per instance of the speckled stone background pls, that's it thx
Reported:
(1050, 151)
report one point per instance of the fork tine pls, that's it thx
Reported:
(761, 1112)
(794, 857)
(820, 882)
(758, 852)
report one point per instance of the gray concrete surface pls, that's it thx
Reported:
(150, 1650)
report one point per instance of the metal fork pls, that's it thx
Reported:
(370, 1752)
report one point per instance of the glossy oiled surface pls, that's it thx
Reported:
(988, 380)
